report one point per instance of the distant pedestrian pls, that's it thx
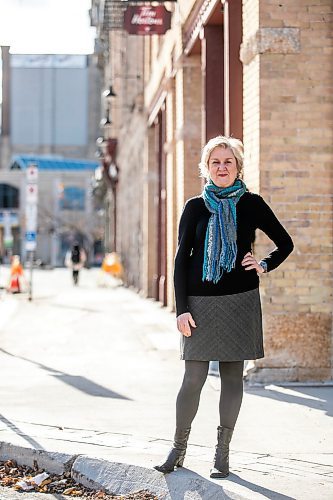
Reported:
(216, 282)
(75, 260)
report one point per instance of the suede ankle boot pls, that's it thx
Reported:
(221, 460)
(176, 455)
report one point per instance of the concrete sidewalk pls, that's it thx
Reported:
(119, 405)
(253, 475)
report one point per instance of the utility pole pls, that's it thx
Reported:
(31, 216)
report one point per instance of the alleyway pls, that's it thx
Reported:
(96, 370)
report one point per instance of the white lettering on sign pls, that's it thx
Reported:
(137, 19)
(146, 16)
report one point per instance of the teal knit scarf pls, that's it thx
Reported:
(221, 235)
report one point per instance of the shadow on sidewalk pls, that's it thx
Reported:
(272, 495)
(80, 383)
(215, 487)
(189, 488)
(318, 398)
(20, 433)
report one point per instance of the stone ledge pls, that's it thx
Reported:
(279, 376)
(271, 41)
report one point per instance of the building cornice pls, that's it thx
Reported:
(197, 19)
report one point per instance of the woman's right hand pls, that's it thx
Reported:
(184, 324)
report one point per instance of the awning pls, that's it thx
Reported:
(20, 162)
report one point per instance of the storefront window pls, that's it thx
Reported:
(73, 198)
(9, 196)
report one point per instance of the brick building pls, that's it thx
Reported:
(258, 70)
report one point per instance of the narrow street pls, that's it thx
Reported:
(96, 370)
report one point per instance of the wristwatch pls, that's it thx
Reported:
(263, 264)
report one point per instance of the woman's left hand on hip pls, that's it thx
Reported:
(249, 262)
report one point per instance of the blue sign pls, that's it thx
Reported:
(30, 236)
(30, 240)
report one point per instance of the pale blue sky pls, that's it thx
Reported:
(46, 26)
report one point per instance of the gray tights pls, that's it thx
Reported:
(188, 398)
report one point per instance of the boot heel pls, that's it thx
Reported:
(176, 455)
(180, 462)
(216, 474)
(172, 461)
(220, 467)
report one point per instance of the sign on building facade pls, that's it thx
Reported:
(115, 11)
(147, 20)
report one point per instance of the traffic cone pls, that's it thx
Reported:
(14, 285)
(16, 272)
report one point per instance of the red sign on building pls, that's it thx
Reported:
(147, 20)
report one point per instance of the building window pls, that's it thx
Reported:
(9, 196)
(73, 198)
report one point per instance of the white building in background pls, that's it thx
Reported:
(50, 111)
(54, 104)
(65, 207)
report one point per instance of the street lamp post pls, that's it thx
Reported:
(108, 94)
(113, 175)
(107, 152)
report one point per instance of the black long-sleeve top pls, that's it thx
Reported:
(252, 213)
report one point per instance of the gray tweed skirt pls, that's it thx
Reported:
(229, 328)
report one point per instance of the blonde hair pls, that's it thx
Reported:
(235, 145)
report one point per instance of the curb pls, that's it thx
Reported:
(56, 463)
(120, 478)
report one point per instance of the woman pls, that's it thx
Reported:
(217, 291)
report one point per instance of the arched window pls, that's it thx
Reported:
(72, 198)
(9, 196)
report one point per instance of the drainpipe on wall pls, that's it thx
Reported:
(225, 7)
